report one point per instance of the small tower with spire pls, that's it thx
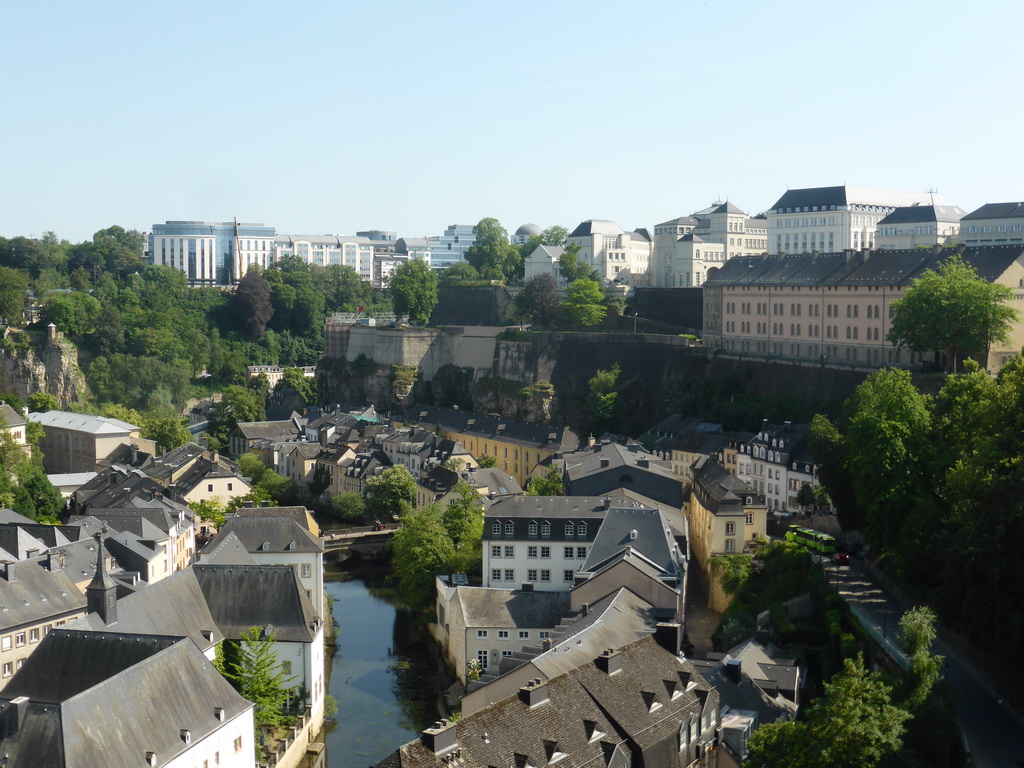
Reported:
(101, 594)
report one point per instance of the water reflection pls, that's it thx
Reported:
(383, 675)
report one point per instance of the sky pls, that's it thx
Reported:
(322, 117)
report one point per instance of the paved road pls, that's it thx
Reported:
(994, 730)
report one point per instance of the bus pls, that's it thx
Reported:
(816, 540)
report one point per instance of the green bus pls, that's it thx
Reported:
(816, 540)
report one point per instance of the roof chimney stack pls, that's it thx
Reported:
(441, 738)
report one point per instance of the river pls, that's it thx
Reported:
(383, 676)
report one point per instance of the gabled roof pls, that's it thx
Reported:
(299, 514)
(30, 594)
(10, 417)
(911, 214)
(228, 550)
(545, 436)
(84, 687)
(642, 529)
(101, 426)
(241, 596)
(996, 211)
(269, 534)
(268, 430)
(596, 227)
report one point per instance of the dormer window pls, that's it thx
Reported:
(650, 701)
(570, 530)
(553, 751)
(510, 529)
(593, 732)
(581, 531)
(496, 529)
(545, 529)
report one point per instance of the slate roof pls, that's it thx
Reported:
(720, 490)
(9, 416)
(486, 607)
(17, 541)
(682, 221)
(847, 195)
(277, 534)
(596, 227)
(628, 466)
(652, 538)
(10, 516)
(240, 597)
(85, 686)
(996, 211)
(30, 594)
(100, 426)
(229, 550)
(492, 427)
(148, 525)
(497, 482)
(299, 514)
(912, 214)
(268, 430)
(171, 607)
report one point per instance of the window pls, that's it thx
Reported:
(506, 654)
(496, 529)
(524, 634)
(531, 552)
(567, 576)
(33, 635)
(481, 634)
(286, 667)
(545, 529)
(510, 551)
(19, 640)
(581, 553)
(503, 634)
(581, 530)
(533, 529)
(481, 658)
(209, 487)
(230, 487)
(495, 574)
(730, 545)
(8, 669)
(730, 529)
(531, 574)
(510, 575)
(5, 644)
(544, 634)
(306, 570)
(568, 553)
(495, 550)
(545, 575)
(509, 529)
(545, 552)
(570, 529)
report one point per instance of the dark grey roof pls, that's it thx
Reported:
(171, 607)
(30, 594)
(682, 221)
(268, 430)
(485, 607)
(595, 227)
(607, 466)
(818, 196)
(299, 514)
(642, 529)
(9, 416)
(106, 699)
(269, 534)
(911, 214)
(529, 230)
(241, 597)
(20, 543)
(228, 550)
(493, 427)
(997, 211)
(719, 490)
(50, 535)
(728, 207)
(641, 233)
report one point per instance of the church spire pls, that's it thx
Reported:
(101, 594)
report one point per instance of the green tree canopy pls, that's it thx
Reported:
(584, 304)
(253, 668)
(169, 432)
(538, 301)
(953, 309)
(604, 403)
(414, 290)
(420, 550)
(41, 402)
(250, 305)
(458, 273)
(13, 286)
(384, 493)
(492, 251)
(349, 506)
(548, 484)
(571, 268)
(251, 466)
(555, 235)
(294, 378)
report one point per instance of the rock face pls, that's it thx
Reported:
(51, 367)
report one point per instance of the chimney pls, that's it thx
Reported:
(590, 441)
(151, 759)
(441, 738)
(669, 635)
(548, 643)
(733, 670)
(534, 692)
(16, 713)
(12, 572)
(643, 463)
(585, 608)
(607, 503)
(609, 661)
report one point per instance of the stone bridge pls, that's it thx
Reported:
(370, 541)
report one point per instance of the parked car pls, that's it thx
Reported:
(842, 558)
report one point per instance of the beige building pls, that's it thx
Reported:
(918, 226)
(836, 308)
(726, 516)
(13, 423)
(76, 442)
(616, 255)
(830, 219)
(994, 224)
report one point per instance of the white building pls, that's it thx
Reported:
(993, 224)
(545, 260)
(450, 248)
(525, 232)
(616, 255)
(325, 250)
(211, 253)
(918, 226)
(831, 219)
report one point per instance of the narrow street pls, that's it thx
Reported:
(994, 730)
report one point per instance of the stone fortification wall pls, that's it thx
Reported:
(50, 367)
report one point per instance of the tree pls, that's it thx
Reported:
(549, 484)
(414, 291)
(13, 291)
(420, 550)
(294, 378)
(210, 510)
(41, 402)
(238, 404)
(584, 303)
(492, 251)
(828, 446)
(805, 496)
(383, 494)
(280, 488)
(953, 309)
(169, 432)
(259, 677)
(571, 268)
(917, 630)
(855, 725)
(349, 506)
(458, 273)
(250, 305)
(486, 461)
(463, 521)
(555, 235)
(604, 404)
(538, 301)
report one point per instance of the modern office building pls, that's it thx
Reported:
(993, 224)
(450, 248)
(211, 253)
(327, 250)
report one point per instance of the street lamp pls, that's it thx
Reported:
(635, 316)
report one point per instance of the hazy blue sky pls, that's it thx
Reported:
(331, 117)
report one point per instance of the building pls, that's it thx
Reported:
(328, 250)
(545, 260)
(12, 422)
(275, 373)
(35, 601)
(78, 442)
(726, 515)
(450, 248)
(517, 446)
(836, 308)
(780, 464)
(831, 219)
(919, 226)
(106, 699)
(211, 253)
(639, 705)
(616, 255)
(993, 224)
(523, 234)
(247, 433)
(606, 466)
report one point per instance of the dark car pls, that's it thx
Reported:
(842, 558)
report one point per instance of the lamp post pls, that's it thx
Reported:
(635, 316)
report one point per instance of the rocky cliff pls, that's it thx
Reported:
(31, 363)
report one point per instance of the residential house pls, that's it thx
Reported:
(545, 260)
(637, 705)
(726, 515)
(15, 425)
(247, 433)
(780, 464)
(607, 465)
(142, 543)
(77, 442)
(517, 446)
(110, 699)
(33, 600)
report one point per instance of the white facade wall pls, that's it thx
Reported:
(992, 231)
(223, 488)
(303, 663)
(230, 746)
(308, 565)
(324, 251)
(510, 564)
(488, 645)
